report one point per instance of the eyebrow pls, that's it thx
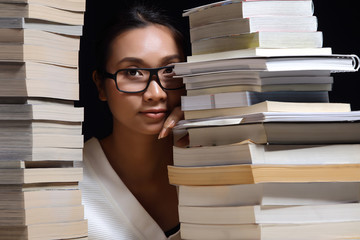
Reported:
(166, 59)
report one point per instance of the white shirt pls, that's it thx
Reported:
(112, 211)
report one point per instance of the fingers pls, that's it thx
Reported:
(175, 116)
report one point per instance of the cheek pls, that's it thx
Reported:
(121, 104)
(174, 98)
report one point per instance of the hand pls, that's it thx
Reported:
(175, 116)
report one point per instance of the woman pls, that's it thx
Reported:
(126, 192)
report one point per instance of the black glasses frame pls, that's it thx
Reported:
(152, 71)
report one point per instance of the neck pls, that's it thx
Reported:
(137, 157)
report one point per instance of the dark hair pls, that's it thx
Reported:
(136, 16)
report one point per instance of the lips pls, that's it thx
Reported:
(154, 113)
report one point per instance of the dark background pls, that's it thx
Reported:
(338, 20)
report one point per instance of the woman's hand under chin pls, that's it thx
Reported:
(175, 116)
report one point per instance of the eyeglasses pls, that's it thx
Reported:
(136, 80)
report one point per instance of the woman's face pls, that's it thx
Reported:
(149, 47)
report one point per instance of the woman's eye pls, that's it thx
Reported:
(134, 72)
(168, 70)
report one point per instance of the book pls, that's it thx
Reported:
(41, 215)
(333, 63)
(29, 23)
(325, 87)
(257, 39)
(250, 174)
(40, 38)
(232, 9)
(270, 214)
(40, 127)
(23, 199)
(41, 109)
(270, 194)
(71, 5)
(239, 77)
(22, 71)
(22, 53)
(278, 133)
(61, 230)
(268, 106)
(41, 12)
(23, 140)
(39, 88)
(254, 24)
(249, 153)
(319, 231)
(260, 52)
(39, 175)
(244, 99)
(15, 153)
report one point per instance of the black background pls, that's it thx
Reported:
(338, 20)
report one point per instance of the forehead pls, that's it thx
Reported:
(151, 44)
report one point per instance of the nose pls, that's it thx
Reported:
(154, 92)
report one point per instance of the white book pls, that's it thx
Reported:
(270, 214)
(270, 194)
(249, 153)
(45, 109)
(255, 24)
(243, 99)
(333, 63)
(258, 39)
(28, 23)
(319, 231)
(260, 52)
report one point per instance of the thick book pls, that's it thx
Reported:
(22, 71)
(268, 106)
(247, 98)
(42, 140)
(41, 109)
(13, 52)
(319, 231)
(323, 87)
(41, 38)
(62, 230)
(11, 198)
(270, 214)
(313, 131)
(71, 5)
(249, 153)
(40, 127)
(237, 77)
(32, 79)
(250, 174)
(41, 215)
(333, 63)
(206, 14)
(49, 88)
(40, 175)
(255, 24)
(41, 12)
(15, 153)
(258, 39)
(260, 52)
(28, 23)
(270, 194)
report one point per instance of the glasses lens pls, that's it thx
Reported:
(132, 80)
(167, 79)
(136, 80)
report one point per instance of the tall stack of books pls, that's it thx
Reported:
(40, 128)
(269, 156)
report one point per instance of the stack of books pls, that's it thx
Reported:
(269, 156)
(40, 128)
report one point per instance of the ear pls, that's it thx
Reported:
(99, 85)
